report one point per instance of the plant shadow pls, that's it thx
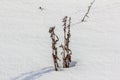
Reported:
(73, 63)
(34, 74)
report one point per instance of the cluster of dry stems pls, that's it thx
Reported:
(66, 52)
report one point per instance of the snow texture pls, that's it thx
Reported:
(25, 44)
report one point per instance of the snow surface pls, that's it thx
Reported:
(25, 46)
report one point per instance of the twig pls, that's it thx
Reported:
(86, 14)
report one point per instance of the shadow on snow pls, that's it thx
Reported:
(73, 63)
(34, 74)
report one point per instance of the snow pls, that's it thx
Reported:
(25, 45)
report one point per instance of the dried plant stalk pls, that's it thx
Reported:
(55, 39)
(86, 14)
